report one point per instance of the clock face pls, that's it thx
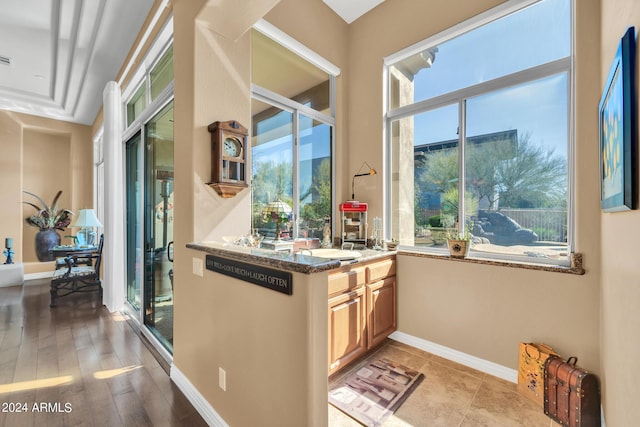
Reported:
(232, 147)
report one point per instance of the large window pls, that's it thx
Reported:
(478, 122)
(292, 139)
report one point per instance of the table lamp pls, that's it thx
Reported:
(86, 220)
(278, 212)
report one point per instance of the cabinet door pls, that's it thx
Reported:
(347, 340)
(381, 308)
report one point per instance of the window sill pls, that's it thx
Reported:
(575, 268)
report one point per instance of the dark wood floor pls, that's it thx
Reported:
(79, 365)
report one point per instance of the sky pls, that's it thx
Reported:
(534, 36)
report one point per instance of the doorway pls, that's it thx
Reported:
(149, 214)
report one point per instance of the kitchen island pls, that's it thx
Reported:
(272, 345)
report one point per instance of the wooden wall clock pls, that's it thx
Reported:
(229, 158)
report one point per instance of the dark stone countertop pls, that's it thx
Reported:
(282, 260)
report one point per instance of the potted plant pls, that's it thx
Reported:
(48, 219)
(459, 243)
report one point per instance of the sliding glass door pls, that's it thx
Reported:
(150, 192)
(158, 225)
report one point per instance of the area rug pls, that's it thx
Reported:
(374, 390)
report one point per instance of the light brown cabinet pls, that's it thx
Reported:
(362, 309)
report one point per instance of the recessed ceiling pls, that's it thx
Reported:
(61, 53)
(350, 10)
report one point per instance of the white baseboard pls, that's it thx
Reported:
(465, 359)
(41, 275)
(11, 274)
(198, 401)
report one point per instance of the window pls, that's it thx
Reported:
(161, 74)
(292, 138)
(478, 123)
(136, 104)
(155, 80)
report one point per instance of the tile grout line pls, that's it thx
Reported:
(468, 408)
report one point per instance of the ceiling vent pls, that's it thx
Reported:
(5, 60)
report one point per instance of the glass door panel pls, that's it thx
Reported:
(134, 221)
(158, 226)
(314, 182)
(272, 164)
(425, 153)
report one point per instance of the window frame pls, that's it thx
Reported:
(459, 97)
(296, 109)
(142, 77)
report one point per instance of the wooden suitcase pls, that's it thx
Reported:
(571, 394)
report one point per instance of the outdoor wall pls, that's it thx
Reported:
(481, 310)
(620, 278)
(42, 156)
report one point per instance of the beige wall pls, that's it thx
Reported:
(11, 217)
(221, 322)
(49, 157)
(620, 277)
(481, 310)
(42, 156)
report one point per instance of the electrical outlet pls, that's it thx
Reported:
(222, 379)
(198, 267)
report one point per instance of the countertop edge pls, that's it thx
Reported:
(281, 260)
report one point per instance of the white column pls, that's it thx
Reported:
(114, 190)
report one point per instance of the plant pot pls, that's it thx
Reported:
(45, 241)
(458, 248)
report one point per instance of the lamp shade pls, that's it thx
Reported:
(86, 218)
(276, 211)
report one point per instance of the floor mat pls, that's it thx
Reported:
(374, 390)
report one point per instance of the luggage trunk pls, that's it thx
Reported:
(571, 394)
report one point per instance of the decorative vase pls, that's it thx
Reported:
(45, 241)
(458, 248)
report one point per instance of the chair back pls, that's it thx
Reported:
(99, 255)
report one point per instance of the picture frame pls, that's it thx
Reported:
(618, 132)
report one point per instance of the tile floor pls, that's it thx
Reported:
(451, 395)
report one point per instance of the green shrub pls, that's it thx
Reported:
(435, 221)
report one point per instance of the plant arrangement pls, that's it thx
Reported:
(459, 242)
(49, 217)
(459, 235)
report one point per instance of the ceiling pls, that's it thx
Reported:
(56, 56)
(350, 10)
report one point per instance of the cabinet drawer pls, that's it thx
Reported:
(346, 281)
(380, 270)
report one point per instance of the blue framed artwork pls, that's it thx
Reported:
(618, 131)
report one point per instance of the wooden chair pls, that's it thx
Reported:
(78, 258)
(78, 278)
